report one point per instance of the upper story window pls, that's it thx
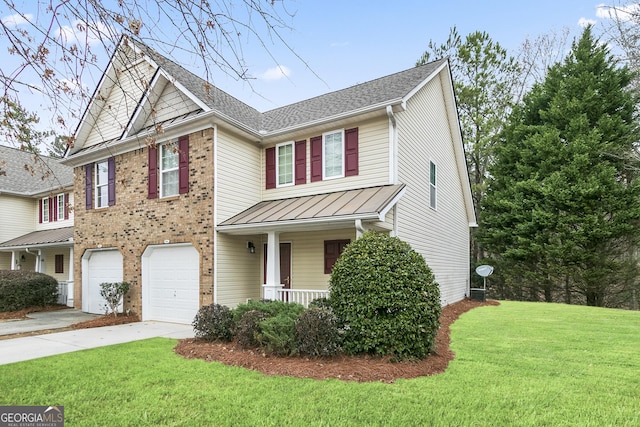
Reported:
(102, 185)
(169, 168)
(284, 163)
(333, 155)
(433, 189)
(53, 209)
(44, 210)
(60, 206)
(169, 162)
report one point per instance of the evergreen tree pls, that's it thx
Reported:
(562, 211)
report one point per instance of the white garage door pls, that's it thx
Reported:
(170, 283)
(99, 267)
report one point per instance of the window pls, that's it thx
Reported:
(44, 210)
(332, 251)
(284, 163)
(433, 190)
(59, 263)
(332, 155)
(60, 207)
(169, 162)
(102, 185)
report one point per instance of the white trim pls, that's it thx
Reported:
(324, 155)
(293, 166)
(215, 212)
(97, 186)
(420, 85)
(433, 187)
(45, 211)
(86, 257)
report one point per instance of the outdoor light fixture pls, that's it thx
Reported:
(22, 258)
(251, 247)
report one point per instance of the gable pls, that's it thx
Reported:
(119, 101)
(165, 102)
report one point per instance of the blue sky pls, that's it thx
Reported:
(352, 41)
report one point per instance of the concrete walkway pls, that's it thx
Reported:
(33, 347)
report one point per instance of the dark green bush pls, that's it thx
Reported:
(278, 335)
(273, 329)
(214, 323)
(317, 332)
(320, 303)
(24, 289)
(386, 297)
(247, 329)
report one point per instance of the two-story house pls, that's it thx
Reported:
(36, 218)
(194, 197)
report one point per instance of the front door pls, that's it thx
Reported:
(285, 265)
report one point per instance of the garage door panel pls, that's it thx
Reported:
(171, 281)
(101, 267)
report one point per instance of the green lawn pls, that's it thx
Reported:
(517, 364)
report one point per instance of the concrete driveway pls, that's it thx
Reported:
(44, 320)
(33, 347)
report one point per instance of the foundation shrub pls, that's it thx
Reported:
(24, 289)
(247, 329)
(214, 323)
(317, 332)
(386, 298)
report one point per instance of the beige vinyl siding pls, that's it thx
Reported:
(373, 163)
(121, 103)
(238, 175)
(55, 224)
(18, 216)
(49, 264)
(307, 253)
(238, 275)
(172, 103)
(442, 235)
(5, 261)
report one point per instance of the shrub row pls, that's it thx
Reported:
(276, 327)
(384, 300)
(24, 289)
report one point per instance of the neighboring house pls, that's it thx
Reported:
(195, 197)
(36, 218)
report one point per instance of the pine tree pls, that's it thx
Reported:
(563, 205)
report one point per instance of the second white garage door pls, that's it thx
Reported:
(170, 283)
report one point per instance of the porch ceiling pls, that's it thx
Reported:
(56, 237)
(316, 212)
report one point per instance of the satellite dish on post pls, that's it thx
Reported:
(484, 270)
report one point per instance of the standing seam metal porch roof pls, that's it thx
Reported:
(39, 238)
(364, 203)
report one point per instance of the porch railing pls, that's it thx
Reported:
(64, 290)
(301, 296)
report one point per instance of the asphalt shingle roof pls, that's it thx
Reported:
(374, 92)
(25, 174)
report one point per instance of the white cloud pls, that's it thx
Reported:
(623, 13)
(16, 20)
(79, 33)
(275, 73)
(584, 22)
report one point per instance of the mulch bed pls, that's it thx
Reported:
(346, 368)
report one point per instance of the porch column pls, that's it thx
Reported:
(270, 289)
(14, 260)
(70, 280)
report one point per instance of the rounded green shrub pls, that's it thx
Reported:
(214, 323)
(386, 298)
(24, 289)
(317, 332)
(248, 328)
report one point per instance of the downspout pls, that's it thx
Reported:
(214, 285)
(393, 161)
(393, 146)
(359, 228)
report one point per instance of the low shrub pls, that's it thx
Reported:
(247, 328)
(24, 289)
(317, 332)
(278, 335)
(113, 293)
(214, 323)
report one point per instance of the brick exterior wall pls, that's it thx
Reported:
(136, 222)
